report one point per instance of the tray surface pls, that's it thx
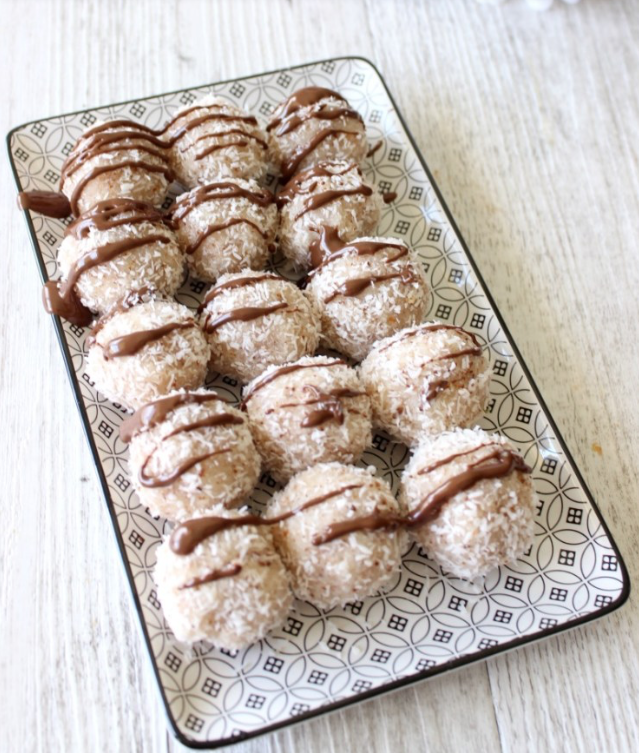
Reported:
(425, 623)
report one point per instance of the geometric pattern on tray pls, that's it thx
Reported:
(426, 622)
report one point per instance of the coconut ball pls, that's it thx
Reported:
(231, 589)
(118, 246)
(142, 352)
(470, 501)
(330, 193)
(366, 290)
(190, 452)
(212, 138)
(425, 380)
(312, 411)
(343, 543)
(226, 227)
(115, 159)
(312, 125)
(254, 320)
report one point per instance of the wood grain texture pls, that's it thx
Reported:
(529, 124)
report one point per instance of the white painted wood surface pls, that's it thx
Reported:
(529, 123)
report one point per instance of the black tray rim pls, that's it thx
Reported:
(461, 661)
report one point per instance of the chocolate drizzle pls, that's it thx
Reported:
(186, 536)
(501, 462)
(329, 405)
(215, 192)
(373, 522)
(291, 165)
(389, 196)
(112, 213)
(243, 314)
(129, 345)
(238, 282)
(357, 285)
(281, 371)
(288, 117)
(434, 327)
(49, 203)
(228, 571)
(61, 298)
(229, 132)
(374, 148)
(103, 169)
(212, 229)
(155, 413)
(329, 246)
(165, 479)
(295, 186)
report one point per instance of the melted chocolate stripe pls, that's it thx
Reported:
(433, 327)
(61, 298)
(306, 97)
(103, 169)
(211, 229)
(154, 413)
(357, 285)
(291, 165)
(373, 522)
(165, 479)
(273, 375)
(501, 462)
(243, 314)
(186, 536)
(238, 282)
(113, 213)
(329, 247)
(129, 345)
(49, 203)
(216, 192)
(228, 571)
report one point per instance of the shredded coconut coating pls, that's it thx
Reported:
(127, 182)
(243, 349)
(247, 161)
(489, 524)
(231, 612)
(277, 412)
(218, 482)
(352, 324)
(176, 361)
(234, 248)
(157, 266)
(336, 147)
(399, 371)
(355, 215)
(348, 568)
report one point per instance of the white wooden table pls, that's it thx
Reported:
(530, 125)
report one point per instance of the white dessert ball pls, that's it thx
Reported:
(116, 159)
(315, 124)
(226, 227)
(190, 452)
(330, 193)
(119, 246)
(231, 589)
(425, 380)
(311, 411)
(343, 543)
(470, 501)
(365, 290)
(254, 320)
(213, 138)
(139, 353)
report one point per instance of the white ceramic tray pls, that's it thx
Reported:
(426, 623)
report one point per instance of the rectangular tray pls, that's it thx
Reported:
(426, 623)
